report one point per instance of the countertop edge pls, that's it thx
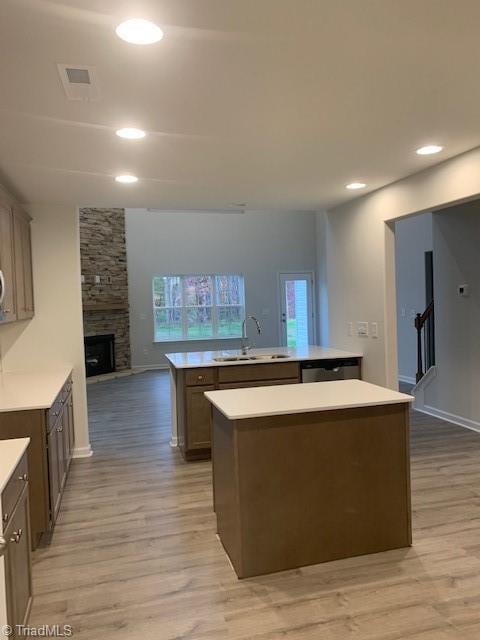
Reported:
(63, 375)
(337, 407)
(230, 363)
(16, 458)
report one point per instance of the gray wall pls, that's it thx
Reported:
(413, 236)
(322, 279)
(456, 238)
(257, 244)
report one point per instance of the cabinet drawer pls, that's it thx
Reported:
(195, 377)
(256, 383)
(57, 407)
(65, 392)
(53, 413)
(253, 372)
(13, 489)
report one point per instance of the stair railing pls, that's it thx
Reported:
(424, 324)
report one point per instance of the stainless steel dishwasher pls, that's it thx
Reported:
(325, 370)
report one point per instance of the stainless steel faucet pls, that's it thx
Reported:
(245, 346)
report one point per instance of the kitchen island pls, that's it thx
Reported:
(310, 473)
(194, 373)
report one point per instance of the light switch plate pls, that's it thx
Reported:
(362, 329)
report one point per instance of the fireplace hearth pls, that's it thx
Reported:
(99, 354)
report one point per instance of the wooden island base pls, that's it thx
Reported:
(299, 489)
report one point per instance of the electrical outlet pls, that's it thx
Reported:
(97, 279)
(374, 329)
(362, 329)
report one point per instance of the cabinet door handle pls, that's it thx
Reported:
(3, 545)
(2, 287)
(5, 517)
(200, 378)
(60, 429)
(17, 536)
(23, 477)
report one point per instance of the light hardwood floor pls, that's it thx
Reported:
(135, 555)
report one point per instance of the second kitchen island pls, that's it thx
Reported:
(309, 473)
(194, 373)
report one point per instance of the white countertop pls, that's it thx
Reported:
(26, 391)
(206, 358)
(10, 453)
(256, 402)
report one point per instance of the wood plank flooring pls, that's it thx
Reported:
(134, 554)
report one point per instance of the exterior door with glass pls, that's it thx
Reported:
(296, 309)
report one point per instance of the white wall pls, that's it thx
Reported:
(361, 256)
(256, 244)
(413, 237)
(55, 335)
(456, 238)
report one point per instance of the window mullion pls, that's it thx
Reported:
(184, 311)
(214, 307)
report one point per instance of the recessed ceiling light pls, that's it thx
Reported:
(356, 185)
(126, 179)
(130, 133)
(429, 149)
(139, 31)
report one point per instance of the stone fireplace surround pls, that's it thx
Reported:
(105, 286)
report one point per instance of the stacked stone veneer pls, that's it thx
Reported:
(103, 253)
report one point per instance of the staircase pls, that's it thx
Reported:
(425, 326)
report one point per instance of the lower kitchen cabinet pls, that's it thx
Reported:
(198, 416)
(194, 419)
(51, 434)
(16, 550)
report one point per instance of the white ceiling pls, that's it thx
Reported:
(276, 103)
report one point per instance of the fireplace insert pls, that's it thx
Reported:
(99, 354)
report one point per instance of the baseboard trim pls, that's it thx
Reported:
(407, 379)
(174, 442)
(82, 452)
(149, 367)
(460, 421)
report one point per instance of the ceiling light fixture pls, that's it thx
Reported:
(130, 133)
(139, 31)
(126, 179)
(356, 185)
(429, 149)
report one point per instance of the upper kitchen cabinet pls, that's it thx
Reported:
(7, 266)
(16, 280)
(23, 265)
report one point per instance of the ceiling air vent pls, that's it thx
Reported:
(79, 82)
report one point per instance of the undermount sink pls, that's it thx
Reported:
(266, 356)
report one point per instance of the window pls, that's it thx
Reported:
(201, 307)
